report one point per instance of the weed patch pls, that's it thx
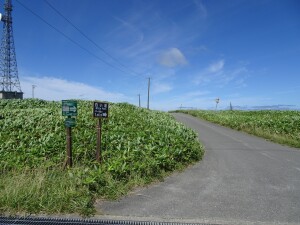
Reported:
(282, 127)
(139, 146)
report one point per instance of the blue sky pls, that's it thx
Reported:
(243, 52)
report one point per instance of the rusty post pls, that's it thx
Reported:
(98, 150)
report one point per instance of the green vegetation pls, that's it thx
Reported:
(139, 147)
(279, 126)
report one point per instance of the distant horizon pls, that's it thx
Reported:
(213, 108)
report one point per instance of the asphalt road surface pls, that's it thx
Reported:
(241, 180)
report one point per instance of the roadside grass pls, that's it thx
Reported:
(39, 191)
(284, 139)
(281, 127)
(59, 191)
(139, 147)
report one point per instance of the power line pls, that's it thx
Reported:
(70, 39)
(88, 38)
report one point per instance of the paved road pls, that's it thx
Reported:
(242, 180)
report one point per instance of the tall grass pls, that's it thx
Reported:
(37, 191)
(282, 127)
(139, 146)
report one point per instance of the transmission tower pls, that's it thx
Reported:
(9, 80)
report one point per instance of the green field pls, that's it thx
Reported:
(139, 147)
(279, 126)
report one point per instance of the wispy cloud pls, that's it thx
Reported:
(210, 72)
(134, 43)
(216, 66)
(217, 74)
(201, 8)
(50, 88)
(138, 40)
(172, 57)
(130, 33)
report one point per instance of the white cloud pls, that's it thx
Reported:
(216, 66)
(172, 57)
(50, 88)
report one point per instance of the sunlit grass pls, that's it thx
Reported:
(43, 191)
(282, 127)
(139, 146)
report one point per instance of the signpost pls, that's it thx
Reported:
(217, 102)
(69, 109)
(100, 110)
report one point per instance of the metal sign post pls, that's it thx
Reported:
(100, 110)
(69, 109)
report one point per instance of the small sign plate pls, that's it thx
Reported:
(100, 110)
(69, 108)
(70, 122)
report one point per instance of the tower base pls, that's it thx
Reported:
(11, 95)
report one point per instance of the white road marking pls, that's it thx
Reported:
(267, 155)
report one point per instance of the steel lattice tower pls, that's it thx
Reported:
(9, 80)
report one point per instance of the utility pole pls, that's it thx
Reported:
(139, 100)
(33, 87)
(148, 93)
